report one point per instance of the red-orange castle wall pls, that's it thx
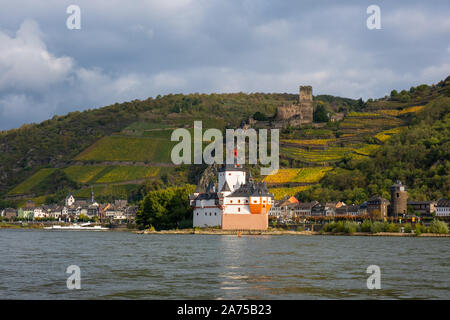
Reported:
(245, 221)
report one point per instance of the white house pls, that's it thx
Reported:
(70, 200)
(39, 212)
(443, 208)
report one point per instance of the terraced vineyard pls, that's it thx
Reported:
(128, 148)
(83, 174)
(32, 181)
(367, 150)
(362, 114)
(319, 147)
(331, 154)
(280, 193)
(385, 135)
(115, 191)
(393, 112)
(128, 173)
(308, 141)
(95, 175)
(370, 123)
(301, 175)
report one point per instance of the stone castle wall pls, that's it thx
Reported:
(301, 113)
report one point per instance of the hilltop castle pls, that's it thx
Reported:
(298, 114)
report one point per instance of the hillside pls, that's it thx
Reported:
(57, 142)
(417, 153)
(123, 150)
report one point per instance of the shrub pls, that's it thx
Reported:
(338, 227)
(377, 227)
(328, 227)
(366, 226)
(392, 227)
(299, 229)
(407, 228)
(420, 228)
(350, 227)
(438, 226)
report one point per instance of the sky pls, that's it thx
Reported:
(128, 50)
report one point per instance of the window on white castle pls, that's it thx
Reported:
(215, 213)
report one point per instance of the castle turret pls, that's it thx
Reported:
(399, 197)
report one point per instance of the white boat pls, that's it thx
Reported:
(77, 227)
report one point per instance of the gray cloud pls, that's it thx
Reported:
(128, 51)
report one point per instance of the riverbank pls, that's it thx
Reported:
(5, 225)
(207, 231)
(42, 225)
(285, 232)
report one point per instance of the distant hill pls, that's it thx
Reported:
(123, 150)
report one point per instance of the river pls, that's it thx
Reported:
(123, 265)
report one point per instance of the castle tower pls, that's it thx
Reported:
(399, 197)
(306, 109)
(305, 95)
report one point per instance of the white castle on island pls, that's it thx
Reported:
(239, 204)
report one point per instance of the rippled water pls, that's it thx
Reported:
(120, 265)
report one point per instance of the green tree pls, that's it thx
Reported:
(83, 218)
(260, 116)
(394, 94)
(438, 226)
(320, 114)
(166, 208)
